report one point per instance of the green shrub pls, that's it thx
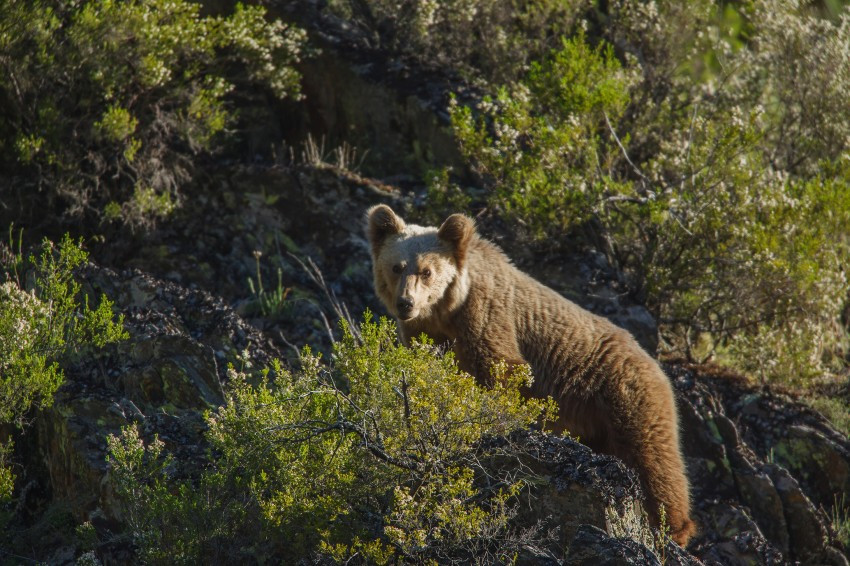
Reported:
(536, 145)
(493, 40)
(41, 323)
(836, 409)
(7, 476)
(698, 165)
(378, 458)
(269, 303)
(85, 536)
(105, 104)
(179, 522)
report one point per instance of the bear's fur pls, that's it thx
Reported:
(462, 290)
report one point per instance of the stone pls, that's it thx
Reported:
(591, 546)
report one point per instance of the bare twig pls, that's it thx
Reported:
(691, 134)
(623, 149)
(403, 394)
(327, 326)
(339, 308)
(626, 198)
(290, 344)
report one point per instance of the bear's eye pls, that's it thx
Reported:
(396, 269)
(426, 273)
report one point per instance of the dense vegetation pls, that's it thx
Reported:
(105, 106)
(703, 148)
(690, 155)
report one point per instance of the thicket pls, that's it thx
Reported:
(703, 147)
(480, 41)
(44, 320)
(105, 105)
(377, 458)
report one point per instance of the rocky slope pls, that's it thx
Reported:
(763, 467)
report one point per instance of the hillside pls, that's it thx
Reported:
(228, 245)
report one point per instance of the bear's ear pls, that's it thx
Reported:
(457, 231)
(381, 222)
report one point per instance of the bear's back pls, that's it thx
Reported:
(562, 341)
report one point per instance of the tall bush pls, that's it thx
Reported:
(482, 41)
(42, 322)
(705, 151)
(105, 104)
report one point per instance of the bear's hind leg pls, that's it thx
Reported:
(655, 455)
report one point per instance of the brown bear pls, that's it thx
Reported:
(462, 290)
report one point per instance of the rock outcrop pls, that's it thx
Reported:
(753, 478)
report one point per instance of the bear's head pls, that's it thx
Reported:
(418, 269)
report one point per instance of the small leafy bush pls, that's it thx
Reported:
(104, 104)
(692, 158)
(836, 409)
(41, 323)
(378, 459)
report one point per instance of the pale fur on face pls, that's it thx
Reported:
(415, 264)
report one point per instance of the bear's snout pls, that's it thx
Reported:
(404, 306)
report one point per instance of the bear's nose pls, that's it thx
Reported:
(404, 305)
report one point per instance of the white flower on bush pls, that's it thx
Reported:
(20, 314)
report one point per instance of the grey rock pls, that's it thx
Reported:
(592, 546)
(756, 462)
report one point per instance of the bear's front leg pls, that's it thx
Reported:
(477, 357)
(410, 330)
